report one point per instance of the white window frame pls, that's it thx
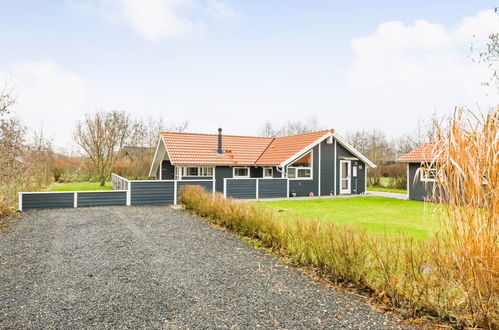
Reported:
(240, 176)
(424, 174)
(271, 172)
(297, 168)
(203, 172)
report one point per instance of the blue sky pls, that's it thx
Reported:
(236, 64)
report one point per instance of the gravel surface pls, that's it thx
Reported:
(156, 267)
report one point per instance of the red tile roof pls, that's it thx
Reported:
(197, 149)
(282, 148)
(423, 153)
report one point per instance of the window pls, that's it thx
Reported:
(241, 172)
(267, 172)
(428, 173)
(193, 171)
(302, 168)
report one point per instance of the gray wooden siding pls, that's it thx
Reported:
(357, 184)
(167, 170)
(241, 188)
(152, 192)
(418, 190)
(47, 200)
(276, 173)
(272, 188)
(304, 187)
(221, 172)
(101, 198)
(327, 168)
(256, 172)
(361, 177)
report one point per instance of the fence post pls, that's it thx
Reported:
(20, 201)
(75, 200)
(213, 185)
(287, 188)
(225, 187)
(257, 184)
(129, 194)
(175, 192)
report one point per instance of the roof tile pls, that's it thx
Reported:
(200, 149)
(423, 153)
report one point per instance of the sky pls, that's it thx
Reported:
(236, 64)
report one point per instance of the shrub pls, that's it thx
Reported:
(401, 272)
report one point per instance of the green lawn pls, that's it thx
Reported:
(378, 214)
(393, 190)
(79, 186)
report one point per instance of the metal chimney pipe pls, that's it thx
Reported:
(219, 149)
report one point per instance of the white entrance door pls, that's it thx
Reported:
(345, 177)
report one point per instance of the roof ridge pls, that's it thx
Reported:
(264, 150)
(312, 132)
(209, 134)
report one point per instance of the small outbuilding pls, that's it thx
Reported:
(420, 172)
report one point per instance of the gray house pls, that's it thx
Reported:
(420, 173)
(311, 164)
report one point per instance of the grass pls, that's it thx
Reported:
(383, 189)
(79, 186)
(375, 214)
(386, 184)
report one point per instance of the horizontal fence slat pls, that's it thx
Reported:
(152, 192)
(241, 188)
(272, 188)
(51, 200)
(101, 198)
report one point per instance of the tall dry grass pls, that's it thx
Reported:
(453, 276)
(467, 183)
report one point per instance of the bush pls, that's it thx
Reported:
(401, 272)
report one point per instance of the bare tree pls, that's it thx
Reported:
(290, 128)
(149, 128)
(101, 135)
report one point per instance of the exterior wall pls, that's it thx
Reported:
(304, 187)
(221, 172)
(95, 198)
(418, 190)
(256, 172)
(327, 168)
(152, 192)
(276, 173)
(357, 185)
(241, 188)
(168, 171)
(47, 200)
(272, 188)
(361, 177)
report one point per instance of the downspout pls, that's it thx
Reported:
(282, 172)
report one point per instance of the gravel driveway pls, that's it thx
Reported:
(156, 267)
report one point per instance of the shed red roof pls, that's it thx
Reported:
(423, 153)
(195, 148)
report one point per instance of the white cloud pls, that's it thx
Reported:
(409, 71)
(157, 19)
(49, 98)
(221, 9)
